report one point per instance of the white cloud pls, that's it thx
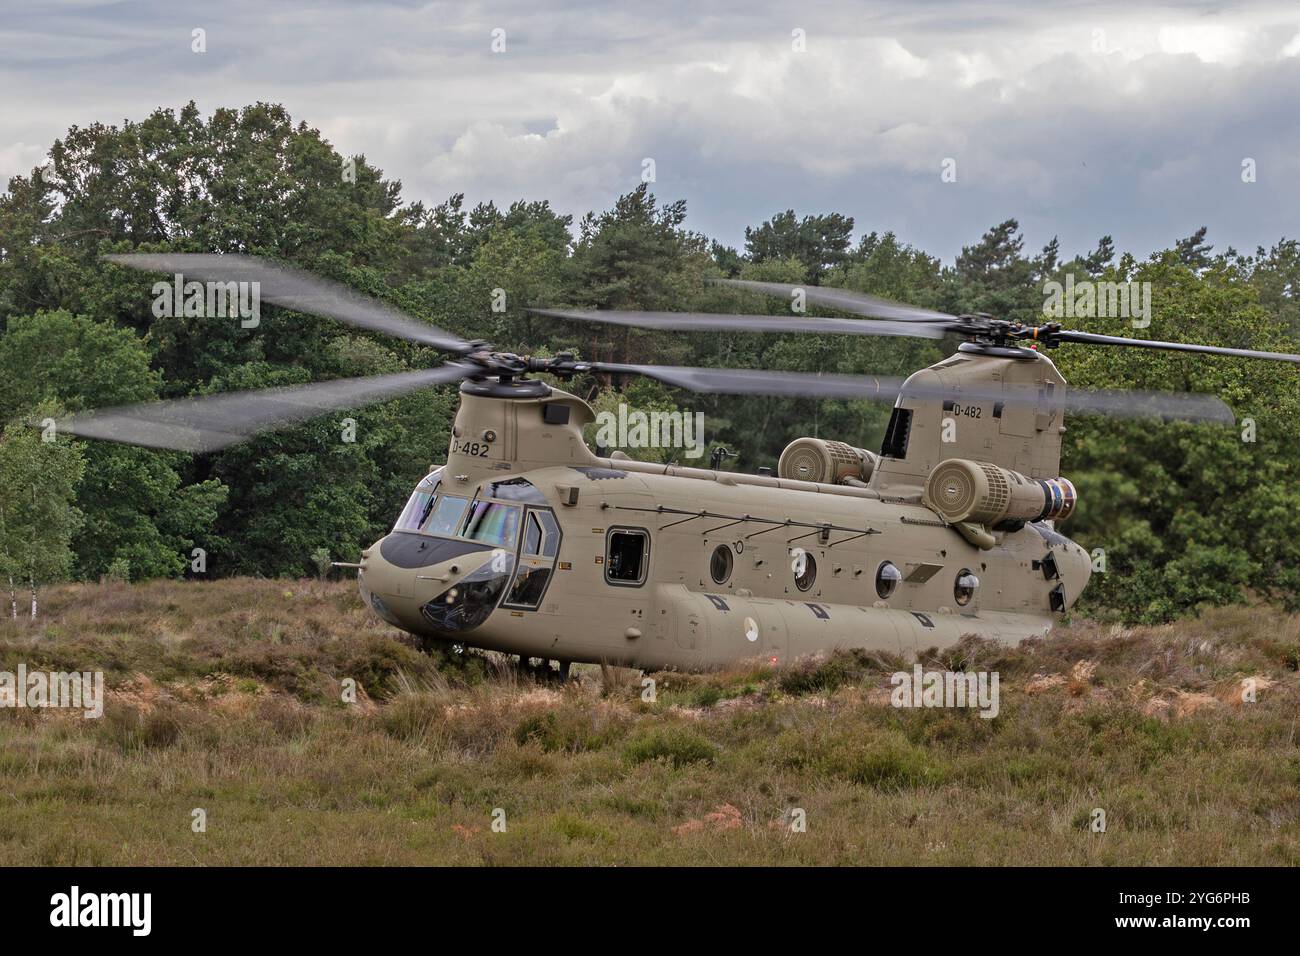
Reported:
(20, 158)
(1209, 42)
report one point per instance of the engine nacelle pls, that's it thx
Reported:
(962, 490)
(828, 462)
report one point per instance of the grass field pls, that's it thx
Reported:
(226, 697)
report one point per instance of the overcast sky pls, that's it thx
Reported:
(1076, 118)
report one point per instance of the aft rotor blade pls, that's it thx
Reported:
(721, 322)
(293, 288)
(207, 423)
(737, 381)
(1067, 335)
(1181, 406)
(1123, 403)
(846, 300)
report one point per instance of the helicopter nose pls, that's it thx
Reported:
(469, 602)
(409, 551)
(430, 585)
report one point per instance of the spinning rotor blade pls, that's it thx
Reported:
(293, 288)
(1092, 338)
(868, 305)
(1193, 407)
(712, 321)
(207, 423)
(738, 381)
(846, 300)
(1119, 403)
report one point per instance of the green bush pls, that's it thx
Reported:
(568, 729)
(894, 768)
(822, 675)
(673, 743)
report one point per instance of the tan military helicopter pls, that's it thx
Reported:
(527, 542)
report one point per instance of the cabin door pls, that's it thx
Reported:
(539, 548)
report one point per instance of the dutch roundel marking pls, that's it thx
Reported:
(720, 604)
(819, 612)
(925, 620)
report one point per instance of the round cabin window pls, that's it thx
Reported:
(720, 564)
(805, 570)
(887, 578)
(966, 586)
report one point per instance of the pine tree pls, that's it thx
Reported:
(1194, 251)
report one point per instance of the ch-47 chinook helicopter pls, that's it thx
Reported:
(527, 542)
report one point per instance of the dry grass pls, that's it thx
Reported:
(226, 696)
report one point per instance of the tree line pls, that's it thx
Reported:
(1183, 515)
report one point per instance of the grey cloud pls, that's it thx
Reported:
(1142, 139)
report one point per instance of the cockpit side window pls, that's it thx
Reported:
(541, 534)
(532, 534)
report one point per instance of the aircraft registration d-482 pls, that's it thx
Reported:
(527, 542)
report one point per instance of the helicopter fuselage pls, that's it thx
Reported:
(526, 542)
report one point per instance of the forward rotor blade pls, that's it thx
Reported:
(846, 300)
(294, 288)
(1182, 406)
(1066, 335)
(712, 321)
(207, 423)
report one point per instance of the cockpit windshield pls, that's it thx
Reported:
(432, 512)
(492, 522)
(444, 517)
(417, 509)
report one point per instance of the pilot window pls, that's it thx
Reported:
(421, 501)
(414, 511)
(625, 557)
(492, 523)
(444, 516)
